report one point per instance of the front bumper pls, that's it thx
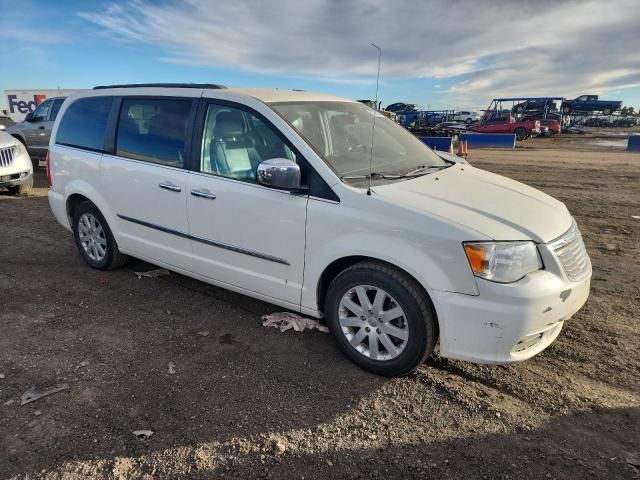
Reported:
(15, 179)
(507, 322)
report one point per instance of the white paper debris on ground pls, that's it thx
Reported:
(143, 434)
(172, 368)
(36, 393)
(637, 217)
(159, 272)
(289, 320)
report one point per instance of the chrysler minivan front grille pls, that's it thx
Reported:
(6, 156)
(571, 252)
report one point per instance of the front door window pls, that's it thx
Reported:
(235, 141)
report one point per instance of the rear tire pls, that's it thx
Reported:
(394, 333)
(521, 133)
(23, 188)
(94, 239)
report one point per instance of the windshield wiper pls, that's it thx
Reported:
(364, 177)
(422, 170)
(394, 176)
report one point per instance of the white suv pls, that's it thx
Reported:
(282, 195)
(16, 171)
(466, 117)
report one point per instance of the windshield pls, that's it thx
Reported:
(340, 132)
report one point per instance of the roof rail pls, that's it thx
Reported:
(162, 85)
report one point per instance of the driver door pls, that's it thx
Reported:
(244, 235)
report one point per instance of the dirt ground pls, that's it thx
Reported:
(251, 402)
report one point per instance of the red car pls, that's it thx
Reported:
(522, 128)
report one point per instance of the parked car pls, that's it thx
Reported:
(401, 107)
(625, 122)
(597, 122)
(450, 127)
(466, 117)
(591, 103)
(522, 128)
(35, 130)
(282, 196)
(16, 171)
(6, 122)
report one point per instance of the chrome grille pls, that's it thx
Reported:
(570, 250)
(6, 156)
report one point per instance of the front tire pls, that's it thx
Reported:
(380, 318)
(468, 121)
(521, 133)
(94, 239)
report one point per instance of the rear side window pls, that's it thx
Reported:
(55, 109)
(84, 123)
(153, 130)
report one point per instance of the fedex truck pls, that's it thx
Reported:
(17, 103)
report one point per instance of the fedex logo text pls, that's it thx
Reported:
(23, 106)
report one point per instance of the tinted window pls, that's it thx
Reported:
(84, 123)
(153, 130)
(235, 141)
(40, 113)
(55, 109)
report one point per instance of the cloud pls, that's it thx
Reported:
(547, 47)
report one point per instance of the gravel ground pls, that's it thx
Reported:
(251, 402)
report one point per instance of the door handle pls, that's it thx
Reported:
(170, 186)
(201, 194)
(41, 127)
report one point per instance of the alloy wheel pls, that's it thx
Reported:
(92, 237)
(373, 322)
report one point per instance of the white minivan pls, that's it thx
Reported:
(283, 196)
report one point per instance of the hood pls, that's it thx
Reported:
(497, 207)
(6, 140)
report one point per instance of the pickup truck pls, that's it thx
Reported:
(522, 128)
(591, 103)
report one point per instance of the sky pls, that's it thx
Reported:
(437, 54)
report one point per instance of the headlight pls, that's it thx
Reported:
(20, 149)
(502, 262)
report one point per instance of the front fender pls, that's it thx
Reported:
(433, 259)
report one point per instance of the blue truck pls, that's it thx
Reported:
(591, 103)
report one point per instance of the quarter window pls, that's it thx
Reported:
(235, 141)
(153, 130)
(84, 123)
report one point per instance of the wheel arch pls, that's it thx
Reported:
(80, 191)
(20, 138)
(73, 201)
(332, 270)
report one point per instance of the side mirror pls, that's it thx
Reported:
(29, 117)
(279, 173)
